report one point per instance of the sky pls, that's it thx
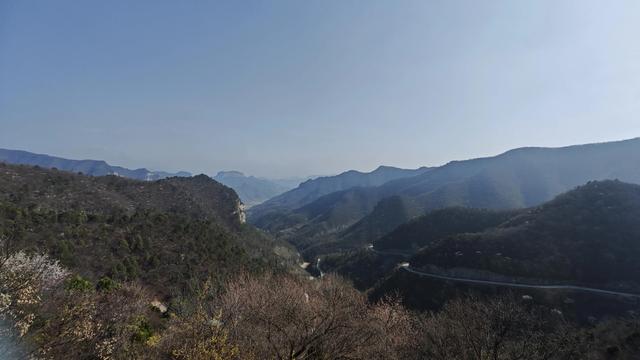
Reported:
(292, 88)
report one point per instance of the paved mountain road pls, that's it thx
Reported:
(519, 285)
(406, 267)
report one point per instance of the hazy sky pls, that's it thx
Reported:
(280, 88)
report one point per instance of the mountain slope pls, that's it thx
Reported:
(252, 190)
(387, 214)
(365, 265)
(171, 234)
(312, 190)
(428, 228)
(589, 235)
(522, 177)
(199, 197)
(87, 167)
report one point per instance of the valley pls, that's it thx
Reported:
(578, 239)
(183, 243)
(319, 180)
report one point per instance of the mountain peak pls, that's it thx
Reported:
(384, 168)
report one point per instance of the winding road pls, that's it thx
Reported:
(408, 268)
(519, 285)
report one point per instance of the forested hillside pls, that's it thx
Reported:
(436, 224)
(170, 234)
(588, 235)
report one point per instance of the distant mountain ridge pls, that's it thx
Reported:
(87, 167)
(515, 179)
(253, 190)
(311, 190)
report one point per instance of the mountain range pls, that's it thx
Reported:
(512, 226)
(313, 189)
(590, 235)
(587, 237)
(515, 179)
(87, 167)
(255, 190)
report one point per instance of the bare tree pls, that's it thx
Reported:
(501, 328)
(198, 334)
(89, 324)
(285, 317)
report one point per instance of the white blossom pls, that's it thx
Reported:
(23, 279)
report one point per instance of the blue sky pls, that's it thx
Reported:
(283, 88)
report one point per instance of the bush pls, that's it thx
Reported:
(106, 284)
(78, 283)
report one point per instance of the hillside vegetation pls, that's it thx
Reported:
(436, 224)
(170, 234)
(124, 244)
(588, 235)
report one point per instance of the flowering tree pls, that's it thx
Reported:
(23, 280)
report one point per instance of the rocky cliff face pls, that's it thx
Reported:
(242, 216)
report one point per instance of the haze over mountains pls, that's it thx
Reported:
(252, 190)
(530, 216)
(311, 190)
(255, 190)
(87, 167)
(455, 215)
(518, 178)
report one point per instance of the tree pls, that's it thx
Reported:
(84, 323)
(501, 328)
(286, 317)
(24, 279)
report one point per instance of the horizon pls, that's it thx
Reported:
(305, 177)
(319, 179)
(295, 89)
